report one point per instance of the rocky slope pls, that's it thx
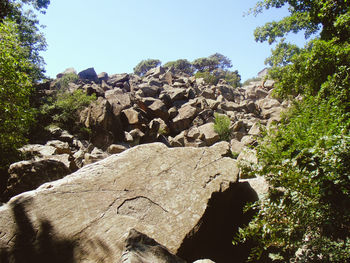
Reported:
(153, 183)
(163, 106)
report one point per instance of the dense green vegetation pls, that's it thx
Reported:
(20, 65)
(211, 69)
(306, 158)
(145, 65)
(222, 126)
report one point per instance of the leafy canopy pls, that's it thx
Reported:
(145, 65)
(306, 158)
(15, 88)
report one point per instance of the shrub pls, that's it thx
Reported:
(306, 161)
(66, 79)
(222, 126)
(63, 108)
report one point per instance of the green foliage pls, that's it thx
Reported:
(66, 79)
(327, 17)
(182, 65)
(248, 81)
(307, 164)
(211, 63)
(306, 159)
(63, 109)
(231, 77)
(145, 65)
(222, 126)
(214, 68)
(15, 88)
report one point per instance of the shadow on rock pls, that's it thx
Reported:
(212, 238)
(33, 246)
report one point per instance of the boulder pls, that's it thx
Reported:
(89, 74)
(105, 126)
(155, 108)
(141, 248)
(207, 134)
(28, 175)
(61, 147)
(132, 116)
(184, 118)
(94, 156)
(116, 148)
(169, 194)
(37, 150)
(118, 99)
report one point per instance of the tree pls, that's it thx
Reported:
(15, 88)
(20, 66)
(28, 29)
(145, 65)
(306, 158)
(182, 65)
(216, 67)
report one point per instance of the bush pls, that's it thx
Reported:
(62, 109)
(182, 65)
(66, 79)
(305, 217)
(16, 114)
(222, 126)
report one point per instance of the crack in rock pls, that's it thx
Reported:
(140, 207)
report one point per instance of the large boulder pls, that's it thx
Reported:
(105, 126)
(188, 199)
(89, 74)
(184, 118)
(28, 175)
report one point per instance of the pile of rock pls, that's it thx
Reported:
(163, 106)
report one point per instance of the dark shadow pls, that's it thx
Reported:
(31, 245)
(212, 237)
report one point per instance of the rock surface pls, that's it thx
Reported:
(165, 193)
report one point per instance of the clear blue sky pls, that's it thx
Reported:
(115, 35)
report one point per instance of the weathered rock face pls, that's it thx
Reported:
(165, 193)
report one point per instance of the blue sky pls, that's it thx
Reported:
(114, 35)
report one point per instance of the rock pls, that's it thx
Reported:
(116, 148)
(166, 193)
(204, 261)
(178, 140)
(226, 91)
(67, 71)
(28, 175)
(37, 150)
(269, 84)
(149, 90)
(117, 80)
(61, 147)
(208, 135)
(255, 129)
(184, 118)
(259, 184)
(105, 126)
(89, 74)
(141, 248)
(94, 156)
(94, 89)
(175, 93)
(155, 108)
(155, 72)
(246, 158)
(118, 99)
(236, 147)
(103, 76)
(132, 116)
